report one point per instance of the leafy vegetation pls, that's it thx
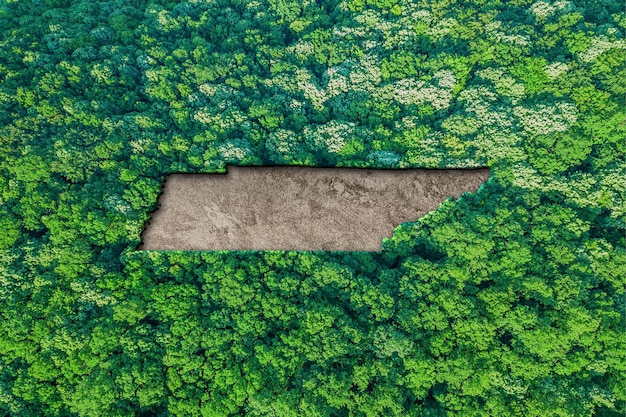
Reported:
(506, 302)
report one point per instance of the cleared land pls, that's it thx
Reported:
(297, 208)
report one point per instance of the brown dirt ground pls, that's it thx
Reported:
(297, 208)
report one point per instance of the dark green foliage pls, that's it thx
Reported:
(509, 301)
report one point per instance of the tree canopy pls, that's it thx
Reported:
(509, 301)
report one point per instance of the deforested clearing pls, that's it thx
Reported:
(297, 208)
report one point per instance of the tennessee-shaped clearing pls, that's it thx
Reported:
(297, 208)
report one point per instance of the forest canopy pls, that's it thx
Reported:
(508, 301)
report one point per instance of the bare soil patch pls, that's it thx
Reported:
(297, 208)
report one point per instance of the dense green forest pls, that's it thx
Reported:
(507, 302)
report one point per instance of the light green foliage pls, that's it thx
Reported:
(506, 302)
